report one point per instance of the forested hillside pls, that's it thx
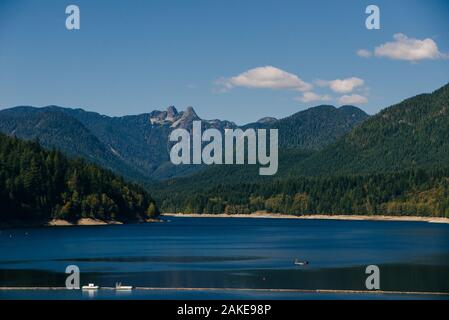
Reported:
(412, 192)
(37, 185)
(313, 128)
(317, 127)
(411, 134)
(392, 163)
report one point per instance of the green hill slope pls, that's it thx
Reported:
(317, 127)
(413, 133)
(37, 185)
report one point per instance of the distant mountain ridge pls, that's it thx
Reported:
(317, 127)
(411, 134)
(133, 146)
(313, 128)
(137, 146)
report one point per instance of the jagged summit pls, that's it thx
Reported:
(186, 118)
(172, 112)
(183, 119)
(190, 111)
(164, 117)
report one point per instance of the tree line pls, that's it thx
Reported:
(423, 192)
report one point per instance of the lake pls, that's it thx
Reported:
(227, 253)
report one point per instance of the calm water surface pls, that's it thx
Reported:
(228, 253)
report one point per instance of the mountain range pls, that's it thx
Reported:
(395, 162)
(331, 160)
(137, 146)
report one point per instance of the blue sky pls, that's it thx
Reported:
(235, 60)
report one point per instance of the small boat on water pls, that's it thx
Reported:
(300, 263)
(90, 286)
(119, 287)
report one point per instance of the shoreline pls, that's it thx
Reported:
(93, 222)
(256, 215)
(81, 222)
(312, 217)
(66, 223)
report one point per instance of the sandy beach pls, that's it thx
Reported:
(317, 216)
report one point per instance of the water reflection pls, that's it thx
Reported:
(90, 294)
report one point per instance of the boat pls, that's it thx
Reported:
(119, 287)
(90, 286)
(300, 263)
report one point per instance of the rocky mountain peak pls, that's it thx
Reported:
(186, 119)
(190, 112)
(172, 112)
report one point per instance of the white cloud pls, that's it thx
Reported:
(352, 99)
(312, 96)
(364, 53)
(265, 77)
(341, 85)
(410, 49)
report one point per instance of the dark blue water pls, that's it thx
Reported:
(230, 253)
(203, 295)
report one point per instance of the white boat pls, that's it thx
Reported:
(90, 286)
(118, 286)
(300, 263)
